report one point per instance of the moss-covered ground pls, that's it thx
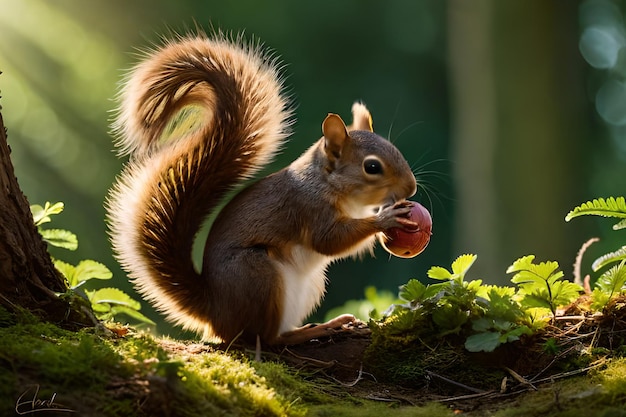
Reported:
(97, 372)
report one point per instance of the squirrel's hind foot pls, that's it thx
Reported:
(343, 323)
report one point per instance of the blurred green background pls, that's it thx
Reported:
(511, 112)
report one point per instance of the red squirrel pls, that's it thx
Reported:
(199, 116)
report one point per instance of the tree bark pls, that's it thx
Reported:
(28, 278)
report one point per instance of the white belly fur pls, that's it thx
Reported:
(304, 283)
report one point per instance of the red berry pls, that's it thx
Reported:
(408, 243)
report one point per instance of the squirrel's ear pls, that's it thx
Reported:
(361, 118)
(335, 135)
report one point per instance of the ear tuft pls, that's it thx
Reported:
(361, 118)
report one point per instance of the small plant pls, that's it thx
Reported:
(457, 303)
(611, 283)
(541, 285)
(55, 237)
(608, 286)
(504, 320)
(486, 316)
(106, 303)
(441, 309)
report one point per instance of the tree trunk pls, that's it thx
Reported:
(474, 130)
(28, 278)
(519, 137)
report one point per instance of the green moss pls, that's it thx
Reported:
(40, 356)
(43, 351)
(295, 386)
(6, 318)
(613, 380)
(212, 382)
(95, 373)
(374, 409)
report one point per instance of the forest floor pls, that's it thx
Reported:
(542, 388)
(115, 371)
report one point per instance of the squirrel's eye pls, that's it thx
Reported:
(372, 166)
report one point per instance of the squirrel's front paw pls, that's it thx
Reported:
(396, 215)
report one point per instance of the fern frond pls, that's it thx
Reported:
(610, 207)
(612, 281)
(620, 225)
(611, 257)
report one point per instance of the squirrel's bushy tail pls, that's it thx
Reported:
(197, 116)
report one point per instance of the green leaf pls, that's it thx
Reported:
(39, 216)
(502, 305)
(483, 342)
(474, 286)
(132, 313)
(487, 339)
(515, 333)
(42, 215)
(503, 326)
(88, 269)
(612, 281)
(404, 321)
(599, 299)
(520, 264)
(541, 284)
(496, 293)
(609, 258)
(438, 272)
(68, 271)
(611, 207)
(460, 266)
(557, 292)
(482, 324)
(537, 300)
(531, 271)
(412, 291)
(84, 271)
(449, 318)
(564, 292)
(101, 308)
(416, 292)
(55, 208)
(536, 317)
(112, 296)
(109, 302)
(554, 275)
(60, 238)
